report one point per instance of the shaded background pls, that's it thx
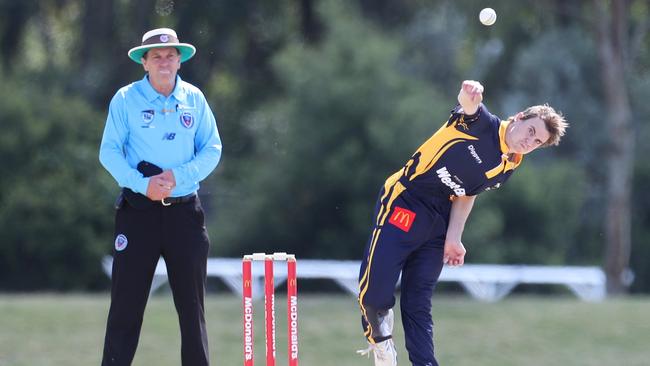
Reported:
(317, 102)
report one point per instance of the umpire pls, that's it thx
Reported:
(159, 142)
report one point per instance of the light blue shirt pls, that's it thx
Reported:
(178, 132)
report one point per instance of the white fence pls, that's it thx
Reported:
(486, 282)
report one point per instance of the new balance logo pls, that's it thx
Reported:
(169, 136)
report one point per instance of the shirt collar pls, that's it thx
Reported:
(502, 136)
(180, 92)
(151, 94)
(516, 158)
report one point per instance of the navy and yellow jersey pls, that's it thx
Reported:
(466, 156)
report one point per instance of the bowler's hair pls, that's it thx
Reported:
(555, 123)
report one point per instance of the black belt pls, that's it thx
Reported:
(141, 202)
(176, 200)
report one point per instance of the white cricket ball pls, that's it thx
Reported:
(487, 16)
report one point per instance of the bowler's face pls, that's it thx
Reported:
(162, 63)
(524, 136)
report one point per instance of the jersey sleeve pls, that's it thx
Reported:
(207, 147)
(458, 113)
(479, 120)
(111, 150)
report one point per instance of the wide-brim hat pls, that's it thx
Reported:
(158, 38)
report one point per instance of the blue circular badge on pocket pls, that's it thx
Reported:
(187, 120)
(121, 242)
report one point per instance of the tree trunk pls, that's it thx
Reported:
(312, 29)
(12, 25)
(611, 26)
(98, 25)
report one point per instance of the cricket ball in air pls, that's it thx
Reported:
(487, 16)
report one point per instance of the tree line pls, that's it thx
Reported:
(317, 102)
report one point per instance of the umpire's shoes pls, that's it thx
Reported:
(384, 352)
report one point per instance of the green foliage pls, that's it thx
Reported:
(316, 107)
(555, 68)
(348, 116)
(532, 219)
(54, 216)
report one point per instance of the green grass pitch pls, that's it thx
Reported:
(47, 329)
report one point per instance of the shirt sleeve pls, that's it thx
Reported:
(207, 148)
(111, 150)
(468, 118)
(481, 120)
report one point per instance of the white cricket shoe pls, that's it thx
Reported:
(384, 352)
(387, 323)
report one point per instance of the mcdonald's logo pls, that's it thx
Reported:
(247, 283)
(402, 218)
(292, 282)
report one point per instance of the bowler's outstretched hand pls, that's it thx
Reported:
(470, 96)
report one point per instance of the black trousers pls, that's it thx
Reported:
(142, 236)
(408, 237)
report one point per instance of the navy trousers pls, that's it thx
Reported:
(142, 236)
(408, 238)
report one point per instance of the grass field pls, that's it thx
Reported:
(43, 330)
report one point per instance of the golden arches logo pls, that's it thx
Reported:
(403, 218)
(247, 283)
